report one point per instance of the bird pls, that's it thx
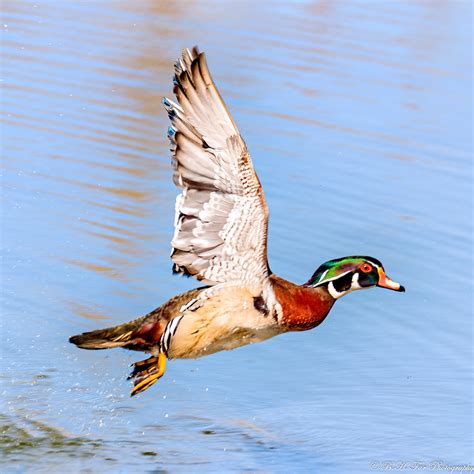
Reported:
(220, 238)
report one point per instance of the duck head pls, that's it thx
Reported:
(343, 275)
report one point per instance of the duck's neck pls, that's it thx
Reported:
(303, 307)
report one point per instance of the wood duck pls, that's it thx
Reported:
(220, 238)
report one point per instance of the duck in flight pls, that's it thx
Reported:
(220, 238)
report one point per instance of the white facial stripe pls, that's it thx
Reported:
(330, 279)
(323, 275)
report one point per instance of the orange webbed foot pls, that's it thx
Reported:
(147, 372)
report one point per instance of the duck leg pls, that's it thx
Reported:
(146, 372)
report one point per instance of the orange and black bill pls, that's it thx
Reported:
(385, 282)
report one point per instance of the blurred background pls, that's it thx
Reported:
(358, 117)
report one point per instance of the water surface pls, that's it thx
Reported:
(358, 118)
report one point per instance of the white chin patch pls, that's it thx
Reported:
(354, 286)
(333, 292)
(355, 282)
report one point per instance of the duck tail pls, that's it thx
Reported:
(116, 336)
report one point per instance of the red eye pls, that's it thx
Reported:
(366, 268)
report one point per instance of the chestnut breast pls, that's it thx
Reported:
(303, 307)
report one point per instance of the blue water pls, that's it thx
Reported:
(358, 117)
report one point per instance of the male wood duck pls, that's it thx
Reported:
(220, 238)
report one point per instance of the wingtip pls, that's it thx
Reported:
(191, 53)
(194, 51)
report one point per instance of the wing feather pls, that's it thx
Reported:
(221, 218)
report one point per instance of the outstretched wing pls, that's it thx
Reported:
(221, 216)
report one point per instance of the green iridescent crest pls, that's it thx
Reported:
(333, 269)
